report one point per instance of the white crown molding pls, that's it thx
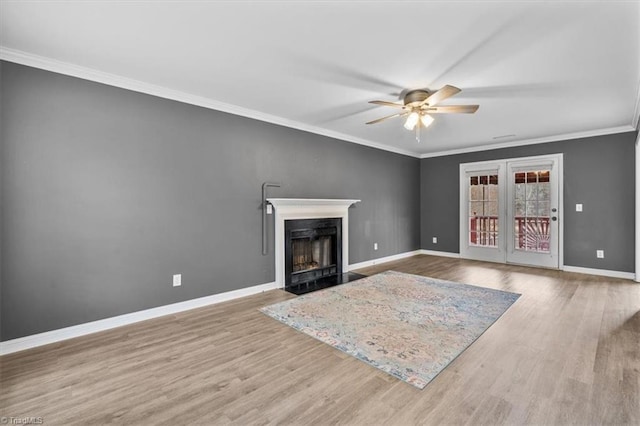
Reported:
(53, 65)
(522, 142)
(61, 334)
(49, 64)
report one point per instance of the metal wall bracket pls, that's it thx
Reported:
(265, 243)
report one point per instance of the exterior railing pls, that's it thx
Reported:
(532, 232)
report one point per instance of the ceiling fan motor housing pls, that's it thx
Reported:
(415, 97)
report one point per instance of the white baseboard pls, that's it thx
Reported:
(440, 253)
(53, 336)
(383, 260)
(601, 272)
(577, 269)
(58, 335)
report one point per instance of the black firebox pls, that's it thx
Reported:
(313, 250)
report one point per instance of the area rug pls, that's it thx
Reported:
(406, 325)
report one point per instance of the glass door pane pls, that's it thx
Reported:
(483, 210)
(532, 210)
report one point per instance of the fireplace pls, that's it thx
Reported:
(294, 209)
(313, 250)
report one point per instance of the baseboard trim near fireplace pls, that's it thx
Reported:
(399, 256)
(385, 259)
(54, 336)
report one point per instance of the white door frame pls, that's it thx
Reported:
(500, 254)
(637, 165)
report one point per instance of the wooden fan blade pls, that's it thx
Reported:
(400, 114)
(440, 95)
(448, 109)
(385, 103)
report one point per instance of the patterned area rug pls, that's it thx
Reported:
(409, 326)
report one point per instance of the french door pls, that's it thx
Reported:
(509, 211)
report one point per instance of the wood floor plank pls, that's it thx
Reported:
(567, 352)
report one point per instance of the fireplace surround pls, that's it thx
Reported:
(309, 208)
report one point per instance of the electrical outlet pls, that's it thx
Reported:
(435, 240)
(177, 280)
(375, 246)
(600, 254)
(578, 207)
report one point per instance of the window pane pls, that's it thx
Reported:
(491, 208)
(475, 192)
(493, 192)
(483, 210)
(544, 191)
(520, 191)
(476, 208)
(544, 209)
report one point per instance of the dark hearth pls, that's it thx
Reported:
(322, 283)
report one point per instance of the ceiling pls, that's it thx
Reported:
(540, 71)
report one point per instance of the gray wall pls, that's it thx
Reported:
(598, 172)
(105, 193)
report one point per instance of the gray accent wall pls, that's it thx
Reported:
(105, 193)
(599, 172)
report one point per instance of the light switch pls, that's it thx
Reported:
(269, 209)
(578, 207)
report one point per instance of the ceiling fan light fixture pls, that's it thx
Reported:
(412, 120)
(426, 120)
(416, 104)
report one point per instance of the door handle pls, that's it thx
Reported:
(554, 218)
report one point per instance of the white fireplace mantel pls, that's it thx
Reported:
(309, 208)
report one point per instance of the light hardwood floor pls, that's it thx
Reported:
(567, 352)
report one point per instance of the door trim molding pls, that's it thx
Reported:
(637, 164)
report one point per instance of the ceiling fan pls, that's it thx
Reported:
(419, 104)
